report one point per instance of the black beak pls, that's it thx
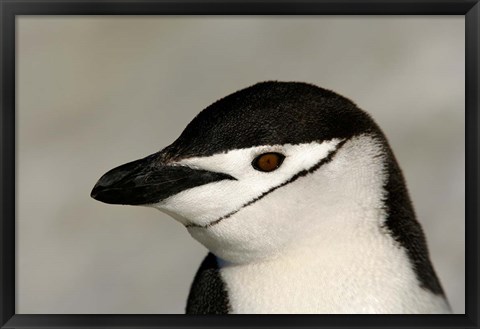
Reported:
(148, 181)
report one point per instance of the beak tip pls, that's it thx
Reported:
(106, 195)
(95, 193)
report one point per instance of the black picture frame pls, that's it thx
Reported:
(9, 9)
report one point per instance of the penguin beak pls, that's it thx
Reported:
(149, 180)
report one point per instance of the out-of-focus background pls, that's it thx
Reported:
(96, 92)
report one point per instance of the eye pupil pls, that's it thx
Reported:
(268, 161)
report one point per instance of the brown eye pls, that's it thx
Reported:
(268, 161)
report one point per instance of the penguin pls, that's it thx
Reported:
(300, 201)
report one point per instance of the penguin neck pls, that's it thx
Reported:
(350, 256)
(349, 211)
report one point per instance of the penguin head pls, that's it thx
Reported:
(260, 170)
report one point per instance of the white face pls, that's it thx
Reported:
(259, 213)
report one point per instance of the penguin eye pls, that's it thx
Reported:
(267, 162)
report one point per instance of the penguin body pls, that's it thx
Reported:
(299, 198)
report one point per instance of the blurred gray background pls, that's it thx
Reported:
(96, 92)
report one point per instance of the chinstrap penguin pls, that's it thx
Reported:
(300, 200)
